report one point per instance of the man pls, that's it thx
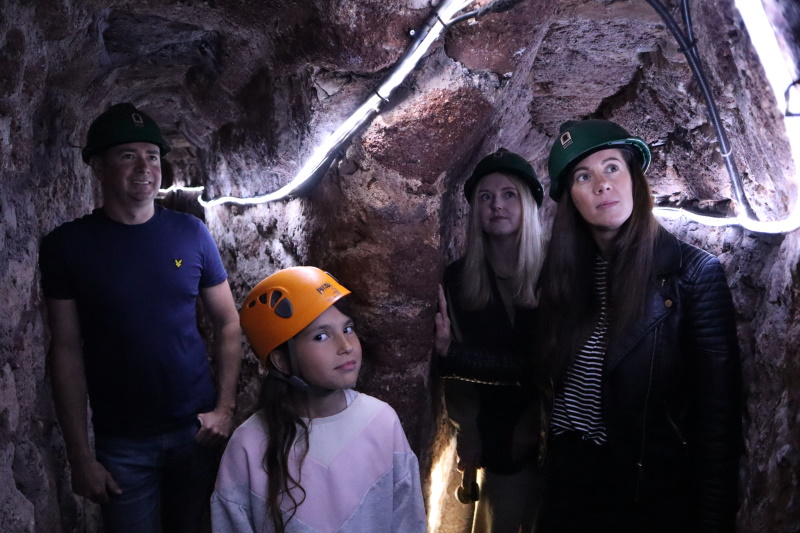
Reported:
(121, 286)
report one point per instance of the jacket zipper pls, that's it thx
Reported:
(675, 427)
(640, 462)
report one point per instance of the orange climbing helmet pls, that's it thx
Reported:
(281, 305)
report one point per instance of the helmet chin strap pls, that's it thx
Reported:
(295, 380)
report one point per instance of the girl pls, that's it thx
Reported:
(638, 336)
(491, 296)
(317, 456)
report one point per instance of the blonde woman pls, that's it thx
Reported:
(482, 336)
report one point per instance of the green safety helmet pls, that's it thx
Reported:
(581, 138)
(505, 161)
(120, 124)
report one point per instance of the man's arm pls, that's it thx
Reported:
(68, 377)
(218, 302)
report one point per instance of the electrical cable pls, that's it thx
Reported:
(442, 19)
(687, 24)
(445, 17)
(688, 48)
(787, 96)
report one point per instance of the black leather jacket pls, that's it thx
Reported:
(672, 387)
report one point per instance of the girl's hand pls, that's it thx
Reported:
(442, 327)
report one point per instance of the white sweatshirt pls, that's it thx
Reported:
(360, 476)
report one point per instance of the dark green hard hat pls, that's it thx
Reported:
(120, 124)
(505, 161)
(581, 138)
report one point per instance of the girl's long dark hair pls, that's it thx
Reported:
(568, 302)
(284, 408)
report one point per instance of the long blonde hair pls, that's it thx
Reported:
(476, 289)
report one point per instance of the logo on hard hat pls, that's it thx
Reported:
(566, 139)
(138, 121)
(322, 287)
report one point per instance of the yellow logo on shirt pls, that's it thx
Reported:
(178, 262)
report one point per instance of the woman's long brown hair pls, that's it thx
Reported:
(568, 304)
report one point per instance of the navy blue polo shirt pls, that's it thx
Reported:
(136, 289)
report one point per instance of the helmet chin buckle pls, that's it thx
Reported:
(297, 381)
(294, 381)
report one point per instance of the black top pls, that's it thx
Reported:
(492, 352)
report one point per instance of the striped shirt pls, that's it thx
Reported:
(578, 406)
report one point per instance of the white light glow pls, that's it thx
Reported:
(443, 14)
(780, 75)
(762, 36)
(440, 476)
(176, 188)
(320, 155)
(791, 223)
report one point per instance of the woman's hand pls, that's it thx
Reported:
(525, 438)
(442, 327)
(468, 450)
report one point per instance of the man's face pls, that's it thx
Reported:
(130, 174)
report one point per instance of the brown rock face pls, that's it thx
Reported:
(246, 91)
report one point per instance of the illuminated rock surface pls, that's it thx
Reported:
(247, 90)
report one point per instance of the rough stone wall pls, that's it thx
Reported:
(247, 90)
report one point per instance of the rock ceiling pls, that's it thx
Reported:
(245, 81)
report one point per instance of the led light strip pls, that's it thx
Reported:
(789, 224)
(435, 25)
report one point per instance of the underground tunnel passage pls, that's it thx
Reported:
(247, 92)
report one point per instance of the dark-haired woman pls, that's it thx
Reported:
(640, 361)
(491, 294)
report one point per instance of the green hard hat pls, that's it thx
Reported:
(505, 161)
(580, 138)
(120, 124)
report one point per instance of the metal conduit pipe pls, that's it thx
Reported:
(688, 48)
